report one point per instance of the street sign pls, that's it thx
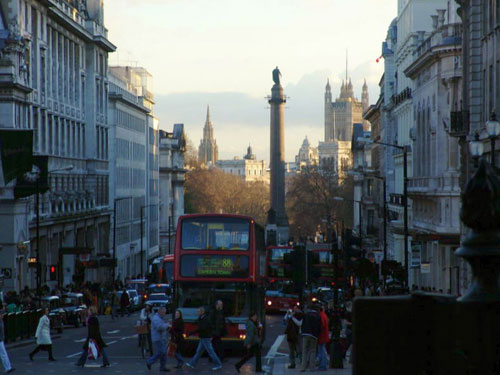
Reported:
(425, 268)
(416, 251)
(6, 272)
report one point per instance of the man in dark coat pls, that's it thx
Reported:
(125, 302)
(292, 332)
(205, 331)
(311, 326)
(219, 323)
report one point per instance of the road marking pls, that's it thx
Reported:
(274, 348)
(81, 340)
(112, 342)
(129, 337)
(115, 331)
(74, 355)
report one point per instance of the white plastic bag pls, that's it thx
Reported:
(93, 351)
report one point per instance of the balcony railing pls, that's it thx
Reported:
(459, 123)
(402, 96)
(435, 183)
(396, 199)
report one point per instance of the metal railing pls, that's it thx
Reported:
(21, 325)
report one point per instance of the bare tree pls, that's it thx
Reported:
(311, 203)
(213, 191)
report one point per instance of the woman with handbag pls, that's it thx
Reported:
(94, 334)
(177, 338)
(42, 335)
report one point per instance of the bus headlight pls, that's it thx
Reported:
(269, 303)
(243, 337)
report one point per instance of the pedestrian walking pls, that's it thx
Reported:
(4, 357)
(115, 304)
(292, 332)
(125, 303)
(177, 337)
(159, 328)
(204, 331)
(252, 344)
(310, 328)
(218, 320)
(42, 335)
(323, 339)
(93, 333)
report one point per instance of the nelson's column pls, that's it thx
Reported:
(277, 220)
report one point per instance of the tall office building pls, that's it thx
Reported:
(53, 81)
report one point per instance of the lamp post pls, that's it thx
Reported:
(114, 236)
(405, 194)
(35, 176)
(170, 225)
(480, 212)
(142, 235)
(493, 129)
(368, 173)
(342, 199)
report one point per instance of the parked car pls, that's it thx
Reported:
(56, 312)
(75, 309)
(135, 299)
(160, 288)
(141, 285)
(157, 300)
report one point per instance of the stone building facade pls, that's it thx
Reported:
(53, 80)
(249, 168)
(434, 188)
(130, 119)
(307, 156)
(208, 151)
(172, 171)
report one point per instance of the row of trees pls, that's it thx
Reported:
(211, 190)
(314, 196)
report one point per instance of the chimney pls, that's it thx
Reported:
(421, 35)
(434, 22)
(441, 13)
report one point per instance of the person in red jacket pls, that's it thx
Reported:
(323, 339)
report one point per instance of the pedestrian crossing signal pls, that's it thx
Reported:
(53, 273)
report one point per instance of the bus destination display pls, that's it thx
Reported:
(225, 266)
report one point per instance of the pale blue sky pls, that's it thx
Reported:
(222, 52)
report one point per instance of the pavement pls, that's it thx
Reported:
(278, 357)
(281, 368)
(122, 351)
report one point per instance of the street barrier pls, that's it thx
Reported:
(21, 325)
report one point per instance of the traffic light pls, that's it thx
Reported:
(53, 273)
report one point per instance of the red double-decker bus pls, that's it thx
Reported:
(167, 269)
(322, 267)
(220, 257)
(280, 293)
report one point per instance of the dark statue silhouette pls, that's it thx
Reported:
(276, 76)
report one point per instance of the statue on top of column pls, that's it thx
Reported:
(276, 76)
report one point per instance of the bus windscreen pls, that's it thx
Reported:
(205, 233)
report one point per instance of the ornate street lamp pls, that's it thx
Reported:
(476, 147)
(481, 213)
(493, 129)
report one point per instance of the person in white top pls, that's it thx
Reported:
(42, 336)
(3, 353)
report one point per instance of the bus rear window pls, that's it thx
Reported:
(208, 233)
